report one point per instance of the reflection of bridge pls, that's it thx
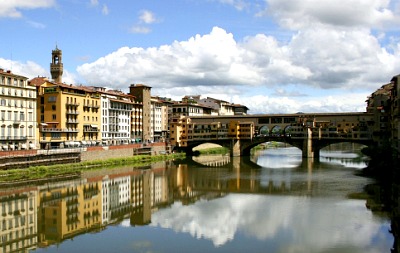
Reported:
(308, 132)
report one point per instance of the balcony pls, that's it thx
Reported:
(72, 103)
(91, 130)
(72, 112)
(13, 138)
(72, 121)
(59, 130)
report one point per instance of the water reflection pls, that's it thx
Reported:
(276, 202)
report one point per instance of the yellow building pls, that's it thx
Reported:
(68, 115)
(241, 130)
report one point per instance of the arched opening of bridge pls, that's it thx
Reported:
(209, 149)
(348, 154)
(288, 131)
(276, 131)
(263, 131)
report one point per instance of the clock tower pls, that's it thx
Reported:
(56, 65)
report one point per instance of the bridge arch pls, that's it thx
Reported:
(287, 131)
(276, 130)
(278, 138)
(263, 130)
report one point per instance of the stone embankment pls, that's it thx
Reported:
(28, 158)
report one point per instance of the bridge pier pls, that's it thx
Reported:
(309, 149)
(235, 148)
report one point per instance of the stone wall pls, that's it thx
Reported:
(27, 158)
(107, 152)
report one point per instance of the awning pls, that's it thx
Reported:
(94, 126)
(5, 147)
(83, 142)
(31, 145)
(23, 146)
(43, 124)
(52, 123)
(93, 143)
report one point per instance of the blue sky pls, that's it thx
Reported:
(274, 56)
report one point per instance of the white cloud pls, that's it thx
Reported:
(105, 10)
(238, 4)
(353, 13)
(212, 59)
(139, 29)
(36, 25)
(12, 9)
(94, 2)
(29, 69)
(147, 17)
(321, 58)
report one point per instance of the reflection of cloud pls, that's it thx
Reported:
(295, 224)
(142, 246)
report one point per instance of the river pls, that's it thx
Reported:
(271, 202)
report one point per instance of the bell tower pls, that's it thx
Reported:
(56, 65)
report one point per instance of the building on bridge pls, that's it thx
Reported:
(384, 105)
(309, 132)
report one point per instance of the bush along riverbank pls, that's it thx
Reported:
(212, 151)
(384, 166)
(74, 169)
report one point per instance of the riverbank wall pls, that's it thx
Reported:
(108, 152)
(27, 158)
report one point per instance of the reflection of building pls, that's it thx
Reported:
(116, 198)
(66, 210)
(141, 198)
(18, 231)
(17, 112)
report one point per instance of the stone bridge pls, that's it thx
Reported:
(308, 132)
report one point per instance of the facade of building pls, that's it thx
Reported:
(142, 94)
(116, 117)
(190, 110)
(222, 107)
(395, 113)
(68, 116)
(17, 112)
(378, 103)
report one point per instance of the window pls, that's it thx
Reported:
(53, 107)
(52, 98)
(54, 117)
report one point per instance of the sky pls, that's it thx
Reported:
(274, 56)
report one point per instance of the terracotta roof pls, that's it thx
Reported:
(37, 81)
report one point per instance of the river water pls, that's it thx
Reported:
(271, 202)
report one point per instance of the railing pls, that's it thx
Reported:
(92, 130)
(16, 138)
(72, 103)
(73, 112)
(49, 130)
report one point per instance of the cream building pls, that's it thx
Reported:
(17, 112)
